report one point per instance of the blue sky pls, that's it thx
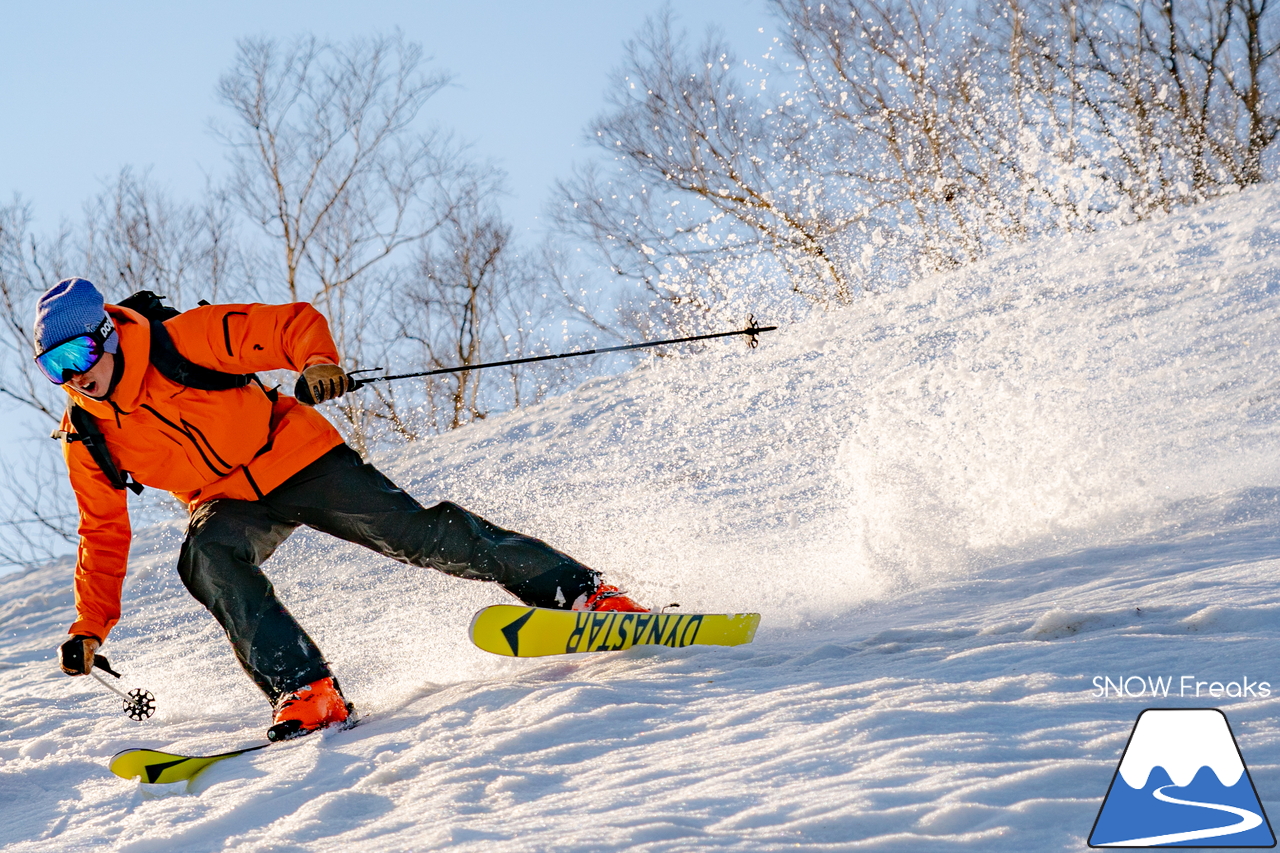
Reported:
(89, 87)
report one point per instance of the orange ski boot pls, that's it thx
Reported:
(309, 709)
(608, 598)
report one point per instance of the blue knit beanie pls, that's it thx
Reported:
(71, 307)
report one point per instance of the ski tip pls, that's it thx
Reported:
(153, 766)
(126, 753)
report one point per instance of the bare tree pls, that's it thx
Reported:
(891, 88)
(326, 156)
(702, 178)
(917, 135)
(940, 119)
(1179, 98)
(902, 149)
(28, 267)
(136, 238)
(469, 299)
(989, 124)
(1252, 83)
(34, 499)
(329, 160)
(39, 516)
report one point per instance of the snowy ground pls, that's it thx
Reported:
(954, 506)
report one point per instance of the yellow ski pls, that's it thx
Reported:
(160, 768)
(526, 632)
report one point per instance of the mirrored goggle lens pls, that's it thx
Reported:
(69, 358)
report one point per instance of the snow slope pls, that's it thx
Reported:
(955, 506)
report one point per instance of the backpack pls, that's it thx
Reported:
(172, 365)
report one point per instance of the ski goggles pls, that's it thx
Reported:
(75, 355)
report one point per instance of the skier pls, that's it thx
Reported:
(250, 465)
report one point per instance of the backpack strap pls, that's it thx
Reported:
(176, 367)
(87, 431)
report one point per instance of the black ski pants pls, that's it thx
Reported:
(228, 540)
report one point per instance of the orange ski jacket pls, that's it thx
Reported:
(198, 445)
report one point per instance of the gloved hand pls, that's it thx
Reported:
(321, 382)
(76, 655)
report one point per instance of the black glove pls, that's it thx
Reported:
(76, 655)
(321, 382)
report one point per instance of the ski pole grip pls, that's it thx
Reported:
(302, 391)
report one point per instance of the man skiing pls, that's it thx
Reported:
(176, 405)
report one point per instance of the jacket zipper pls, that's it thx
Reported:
(226, 329)
(193, 430)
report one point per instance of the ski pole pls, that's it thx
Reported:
(752, 333)
(139, 704)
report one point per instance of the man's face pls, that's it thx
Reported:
(96, 381)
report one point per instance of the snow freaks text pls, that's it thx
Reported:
(1185, 686)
